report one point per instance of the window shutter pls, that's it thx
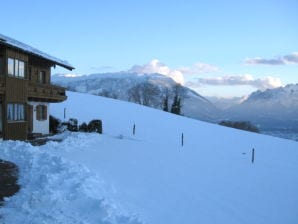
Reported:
(41, 112)
(38, 112)
(44, 112)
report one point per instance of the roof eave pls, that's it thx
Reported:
(64, 66)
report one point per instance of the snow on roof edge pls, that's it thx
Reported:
(31, 50)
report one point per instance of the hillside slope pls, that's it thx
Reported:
(209, 180)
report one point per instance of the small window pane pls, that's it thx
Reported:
(10, 112)
(42, 77)
(21, 69)
(15, 112)
(21, 112)
(16, 67)
(10, 64)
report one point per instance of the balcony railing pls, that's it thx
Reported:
(46, 92)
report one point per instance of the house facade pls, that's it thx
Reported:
(26, 90)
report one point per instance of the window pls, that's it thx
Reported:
(16, 67)
(42, 77)
(21, 69)
(15, 112)
(10, 64)
(41, 113)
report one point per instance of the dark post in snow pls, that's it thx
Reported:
(134, 129)
(253, 156)
(64, 113)
(182, 139)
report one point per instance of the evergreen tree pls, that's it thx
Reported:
(176, 106)
(179, 106)
(165, 106)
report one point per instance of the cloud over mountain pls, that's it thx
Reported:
(155, 66)
(247, 79)
(189, 76)
(199, 68)
(283, 60)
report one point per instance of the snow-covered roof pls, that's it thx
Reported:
(4, 40)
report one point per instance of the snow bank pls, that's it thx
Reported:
(56, 191)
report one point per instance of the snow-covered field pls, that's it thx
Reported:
(149, 177)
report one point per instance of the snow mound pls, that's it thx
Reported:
(56, 191)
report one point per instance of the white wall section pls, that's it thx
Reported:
(40, 126)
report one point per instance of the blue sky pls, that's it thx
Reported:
(222, 48)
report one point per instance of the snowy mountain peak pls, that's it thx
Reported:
(272, 109)
(288, 94)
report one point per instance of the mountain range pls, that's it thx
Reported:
(274, 111)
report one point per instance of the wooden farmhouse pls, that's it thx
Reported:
(26, 90)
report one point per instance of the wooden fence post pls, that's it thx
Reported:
(64, 113)
(134, 129)
(253, 156)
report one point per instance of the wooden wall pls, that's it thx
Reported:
(16, 90)
(3, 65)
(37, 65)
(15, 130)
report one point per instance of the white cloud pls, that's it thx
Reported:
(291, 58)
(286, 59)
(155, 66)
(237, 80)
(199, 68)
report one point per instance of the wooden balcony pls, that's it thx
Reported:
(46, 92)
